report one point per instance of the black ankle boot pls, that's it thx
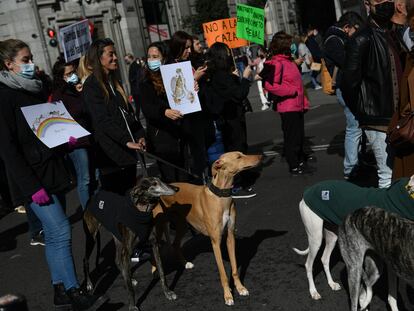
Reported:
(81, 300)
(61, 299)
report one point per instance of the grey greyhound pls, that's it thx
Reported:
(390, 237)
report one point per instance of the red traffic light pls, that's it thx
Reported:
(51, 33)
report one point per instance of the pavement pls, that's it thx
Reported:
(267, 228)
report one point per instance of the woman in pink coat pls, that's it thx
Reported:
(283, 81)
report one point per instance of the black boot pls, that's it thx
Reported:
(81, 300)
(61, 300)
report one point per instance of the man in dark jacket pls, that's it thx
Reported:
(334, 55)
(370, 84)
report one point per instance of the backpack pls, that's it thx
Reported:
(328, 82)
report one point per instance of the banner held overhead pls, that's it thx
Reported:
(250, 23)
(223, 30)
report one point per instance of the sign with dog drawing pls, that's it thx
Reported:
(178, 82)
(52, 123)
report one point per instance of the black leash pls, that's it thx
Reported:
(143, 153)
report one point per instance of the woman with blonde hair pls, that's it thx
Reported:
(117, 130)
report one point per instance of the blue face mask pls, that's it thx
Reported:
(293, 49)
(154, 65)
(73, 79)
(27, 71)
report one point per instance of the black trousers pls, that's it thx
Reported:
(293, 127)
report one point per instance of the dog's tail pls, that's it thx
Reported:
(302, 253)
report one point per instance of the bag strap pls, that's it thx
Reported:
(281, 74)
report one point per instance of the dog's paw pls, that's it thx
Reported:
(335, 286)
(243, 291)
(170, 295)
(134, 309)
(189, 265)
(316, 296)
(229, 301)
(134, 282)
(89, 287)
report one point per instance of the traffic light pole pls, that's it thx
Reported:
(42, 36)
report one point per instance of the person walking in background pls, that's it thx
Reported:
(37, 175)
(286, 89)
(370, 85)
(135, 75)
(65, 82)
(305, 54)
(163, 123)
(117, 130)
(258, 65)
(334, 56)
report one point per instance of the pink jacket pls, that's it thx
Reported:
(291, 87)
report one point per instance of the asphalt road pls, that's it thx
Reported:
(268, 226)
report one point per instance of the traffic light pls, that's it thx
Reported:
(51, 33)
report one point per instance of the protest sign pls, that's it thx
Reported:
(158, 32)
(52, 123)
(250, 23)
(223, 30)
(178, 82)
(75, 40)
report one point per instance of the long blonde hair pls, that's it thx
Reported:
(84, 69)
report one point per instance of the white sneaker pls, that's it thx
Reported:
(20, 209)
(265, 107)
(318, 87)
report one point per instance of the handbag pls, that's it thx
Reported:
(400, 133)
(316, 66)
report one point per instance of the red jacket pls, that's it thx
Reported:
(287, 83)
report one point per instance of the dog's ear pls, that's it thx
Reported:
(216, 166)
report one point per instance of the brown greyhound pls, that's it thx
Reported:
(208, 209)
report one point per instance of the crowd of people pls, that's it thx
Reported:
(369, 62)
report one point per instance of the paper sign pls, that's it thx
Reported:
(52, 123)
(250, 23)
(223, 30)
(75, 40)
(178, 82)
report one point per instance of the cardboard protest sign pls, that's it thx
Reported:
(223, 30)
(250, 23)
(52, 123)
(178, 82)
(75, 40)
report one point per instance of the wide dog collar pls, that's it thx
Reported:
(222, 193)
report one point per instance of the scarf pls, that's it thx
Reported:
(17, 82)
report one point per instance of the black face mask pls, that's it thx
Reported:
(383, 12)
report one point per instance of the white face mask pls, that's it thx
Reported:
(27, 70)
(73, 79)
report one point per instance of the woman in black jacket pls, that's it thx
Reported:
(223, 95)
(117, 131)
(66, 87)
(36, 174)
(163, 123)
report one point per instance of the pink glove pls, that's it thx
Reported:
(72, 141)
(40, 197)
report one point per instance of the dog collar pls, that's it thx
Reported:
(222, 193)
(410, 191)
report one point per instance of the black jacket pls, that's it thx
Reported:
(30, 165)
(108, 125)
(334, 51)
(367, 81)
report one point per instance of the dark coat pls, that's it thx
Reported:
(30, 165)
(334, 51)
(223, 95)
(367, 82)
(73, 102)
(404, 162)
(108, 126)
(163, 134)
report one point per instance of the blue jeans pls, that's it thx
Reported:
(80, 161)
(383, 156)
(352, 136)
(312, 77)
(58, 246)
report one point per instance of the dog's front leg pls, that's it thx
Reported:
(169, 294)
(231, 249)
(392, 289)
(216, 241)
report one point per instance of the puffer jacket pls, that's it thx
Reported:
(367, 84)
(286, 85)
